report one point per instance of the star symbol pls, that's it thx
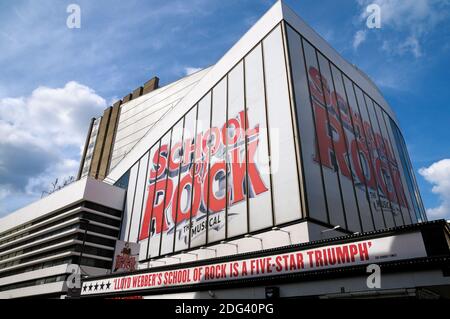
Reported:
(84, 287)
(102, 286)
(108, 284)
(96, 286)
(90, 287)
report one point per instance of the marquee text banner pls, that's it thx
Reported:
(378, 250)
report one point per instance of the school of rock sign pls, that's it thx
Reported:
(359, 153)
(199, 177)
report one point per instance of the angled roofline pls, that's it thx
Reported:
(247, 42)
(274, 16)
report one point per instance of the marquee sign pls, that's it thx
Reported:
(378, 250)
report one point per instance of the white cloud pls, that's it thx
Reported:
(438, 174)
(49, 117)
(42, 137)
(190, 70)
(409, 45)
(360, 37)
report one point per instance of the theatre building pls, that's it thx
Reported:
(280, 171)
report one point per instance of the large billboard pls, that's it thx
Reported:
(285, 134)
(192, 181)
(228, 166)
(354, 176)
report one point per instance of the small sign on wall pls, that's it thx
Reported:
(126, 256)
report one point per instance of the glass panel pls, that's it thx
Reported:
(421, 216)
(336, 143)
(400, 169)
(360, 160)
(344, 114)
(138, 198)
(217, 192)
(322, 154)
(184, 195)
(312, 171)
(199, 212)
(285, 187)
(381, 166)
(398, 201)
(260, 206)
(157, 195)
(369, 153)
(123, 181)
(173, 166)
(146, 214)
(129, 202)
(237, 176)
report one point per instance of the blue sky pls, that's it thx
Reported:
(54, 79)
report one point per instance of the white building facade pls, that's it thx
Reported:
(282, 133)
(279, 149)
(263, 158)
(41, 243)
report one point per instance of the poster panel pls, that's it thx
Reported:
(126, 256)
(260, 207)
(200, 160)
(316, 200)
(359, 157)
(217, 172)
(159, 190)
(407, 216)
(236, 154)
(285, 179)
(320, 155)
(379, 202)
(381, 165)
(144, 226)
(181, 207)
(399, 201)
(174, 158)
(334, 145)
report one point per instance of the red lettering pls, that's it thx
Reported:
(330, 141)
(160, 159)
(216, 187)
(175, 157)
